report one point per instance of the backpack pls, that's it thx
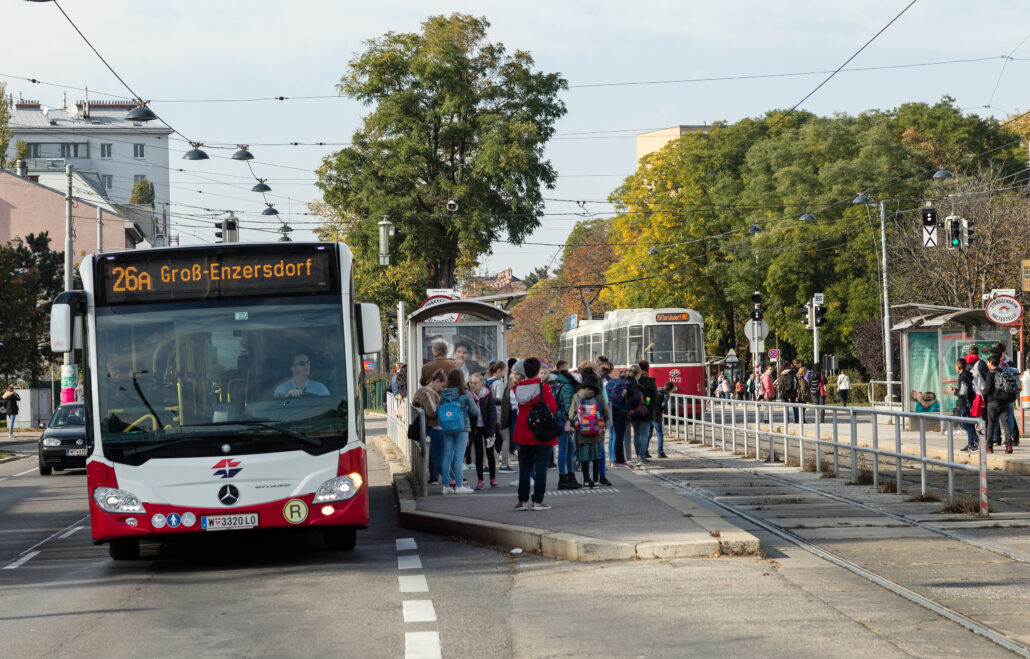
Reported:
(641, 408)
(788, 383)
(450, 414)
(617, 394)
(542, 421)
(589, 415)
(815, 381)
(1006, 382)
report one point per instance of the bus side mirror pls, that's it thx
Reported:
(65, 319)
(370, 330)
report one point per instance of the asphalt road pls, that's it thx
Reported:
(402, 593)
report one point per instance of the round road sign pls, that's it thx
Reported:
(1004, 310)
(774, 353)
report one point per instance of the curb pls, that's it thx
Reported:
(569, 546)
(13, 458)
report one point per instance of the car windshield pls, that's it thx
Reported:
(66, 415)
(192, 375)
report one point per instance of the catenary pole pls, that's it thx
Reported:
(69, 357)
(888, 350)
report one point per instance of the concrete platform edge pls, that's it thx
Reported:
(727, 538)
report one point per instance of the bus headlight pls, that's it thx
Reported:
(340, 488)
(117, 501)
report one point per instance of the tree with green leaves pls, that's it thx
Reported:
(539, 273)
(455, 118)
(5, 120)
(142, 192)
(33, 275)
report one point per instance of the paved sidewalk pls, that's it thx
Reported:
(638, 517)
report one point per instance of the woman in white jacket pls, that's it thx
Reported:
(843, 387)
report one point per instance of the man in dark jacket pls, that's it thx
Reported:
(998, 405)
(563, 385)
(643, 414)
(964, 401)
(440, 362)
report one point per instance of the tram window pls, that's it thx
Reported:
(636, 338)
(595, 347)
(658, 344)
(582, 350)
(620, 346)
(686, 344)
(609, 344)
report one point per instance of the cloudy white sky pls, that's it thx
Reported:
(191, 49)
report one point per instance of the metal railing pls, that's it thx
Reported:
(718, 421)
(399, 415)
(875, 387)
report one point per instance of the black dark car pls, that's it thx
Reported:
(63, 444)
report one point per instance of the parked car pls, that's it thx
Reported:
(63, 444)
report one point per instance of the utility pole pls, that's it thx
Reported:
(100, 229)
(889, 354)
(69, 357)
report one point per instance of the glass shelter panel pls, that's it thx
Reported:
(473, 346)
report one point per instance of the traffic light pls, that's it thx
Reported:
(391, 320)
(967, 233)
(756, 297)
(819, 311)
(953, 231)
(806, 316)
(232, 234)
(929, 217)
(224, 231)
(756, 313)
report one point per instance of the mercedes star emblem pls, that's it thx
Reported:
(228, 495)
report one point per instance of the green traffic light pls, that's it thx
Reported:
(954, 242)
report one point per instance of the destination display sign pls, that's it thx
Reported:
(173, 275)
(672, 317)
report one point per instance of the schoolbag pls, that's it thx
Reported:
(542, 422)
(617, 394)
(1006, 382)
(788, 382)
(639, 408)
(589, 415)
(814, 380)
(450, 414)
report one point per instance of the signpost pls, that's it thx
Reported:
(774, 354)
(756, 331)
(1005, 310)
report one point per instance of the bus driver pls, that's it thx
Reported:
(300, 384)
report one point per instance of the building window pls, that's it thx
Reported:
(137, 150)
(107, 180)
(137, 178)
(34, 150)
(69, 150)
(105, 150)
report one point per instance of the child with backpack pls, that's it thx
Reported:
(536, 433)
(454, 412)
(588, 416)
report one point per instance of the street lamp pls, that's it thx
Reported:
(888, 348)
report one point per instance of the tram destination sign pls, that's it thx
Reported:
(174, 275)
(681, 317)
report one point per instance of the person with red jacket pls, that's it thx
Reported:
(534, 455)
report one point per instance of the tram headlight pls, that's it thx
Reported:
(340, 488)
(117, 501)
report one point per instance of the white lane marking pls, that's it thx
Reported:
(21, 561)
(3, 479)
(419, 611)
(415, 583)
(409, 562)
(404, 544)
(28, 471)
(55, 534)
(422, 645)
(69, 532)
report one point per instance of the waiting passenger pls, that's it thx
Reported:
(300, 383)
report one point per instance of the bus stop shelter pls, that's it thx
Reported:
(478, 327)
(931, 340)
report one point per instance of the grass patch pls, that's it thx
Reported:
(694, 441)
(923, 498)
(715, 533)
(6, 454)
(888, 487)
(967, 505)
(810, 465)
(792, 462)
(862, 477)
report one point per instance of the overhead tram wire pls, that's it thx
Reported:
(838, 69)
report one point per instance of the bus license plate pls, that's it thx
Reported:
(76, 451)
(224, 522)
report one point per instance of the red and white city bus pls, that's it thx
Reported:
(222, 390)
(672, 340)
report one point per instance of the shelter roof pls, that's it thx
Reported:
(933, 316)
(471, 307)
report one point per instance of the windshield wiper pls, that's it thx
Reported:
(314, 441)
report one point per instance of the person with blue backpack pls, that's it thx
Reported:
(454, 412)
(618, 389)
(587, 417)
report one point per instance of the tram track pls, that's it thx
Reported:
(784, 533)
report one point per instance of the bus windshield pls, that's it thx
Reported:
(181, 379)
(673, 344)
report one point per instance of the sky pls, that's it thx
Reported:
(189, 50)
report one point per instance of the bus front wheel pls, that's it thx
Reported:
(341, 539)
(125, 549)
